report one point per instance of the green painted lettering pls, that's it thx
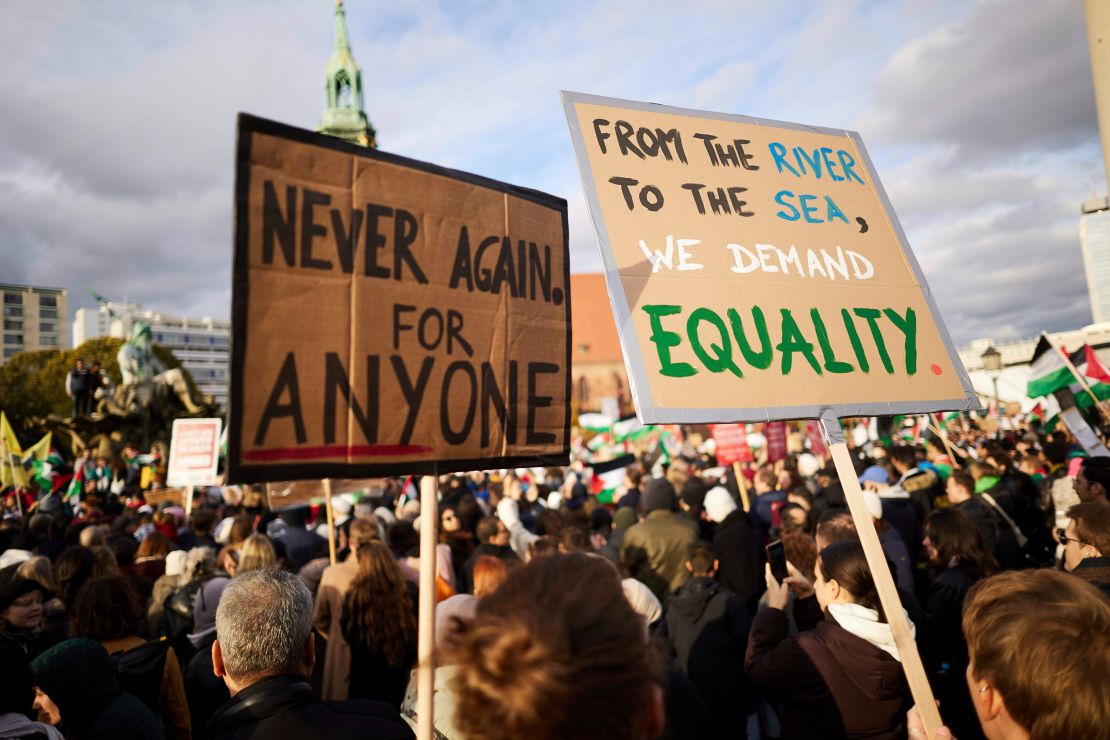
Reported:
(908, 326)
(721, 359)
(870, 315)
(832, 364)
(793, 341)
(664, 340)
(760, 360)
(853, 337)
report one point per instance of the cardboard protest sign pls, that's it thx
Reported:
(756, 269)
(155, 498)
(732, 443)
(390, 316)
(194, 453)
(775, 434)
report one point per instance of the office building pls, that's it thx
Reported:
(34, 318)
(201, 345)
(1094, 236)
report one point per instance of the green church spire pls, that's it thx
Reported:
(344, 116)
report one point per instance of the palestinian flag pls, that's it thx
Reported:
(1047, 371)
(1036, 413)
(594, 422)
(630, 429)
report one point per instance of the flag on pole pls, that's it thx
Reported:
(1047, 371)
(38, 451)
(11, 464)
(1037, 412)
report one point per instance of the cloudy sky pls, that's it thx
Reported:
(117, 122)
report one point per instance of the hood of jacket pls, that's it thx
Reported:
(691, 599)
(874, 672)
(80, 678)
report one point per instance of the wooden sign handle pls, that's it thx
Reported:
(331, 520)
(880, 572)
(742, 486)
(425, 638)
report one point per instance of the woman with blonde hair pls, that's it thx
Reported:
(379, 623)
(256, 553)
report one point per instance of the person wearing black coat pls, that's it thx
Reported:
(78, 681)
(271, 696)
(707, 626)
(838, 677)
(737, 547)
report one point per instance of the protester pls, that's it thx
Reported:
(1039, 643)
(204, 691)
(109, 612)
(737, 547)
(995, 533)
(767, 499)
(255, 553)
(493, 540)
(77, 387)
(837, 677)
(264, 651)
(17, 698)
(452, 616)
(957, 560)
(379, 624)
(77, 690)
(301, 545)
(557, 652)
(654, 551)
(1086, 542)
(489, 574)
(707, 626)
(21, 634)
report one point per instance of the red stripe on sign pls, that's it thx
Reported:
(310, 453)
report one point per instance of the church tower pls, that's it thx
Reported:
(343, 112)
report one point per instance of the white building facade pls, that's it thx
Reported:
(34, 319)
(202, 345)
(1094, 236)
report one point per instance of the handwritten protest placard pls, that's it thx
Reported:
(194, 453)
(390, 316)
(756, 269)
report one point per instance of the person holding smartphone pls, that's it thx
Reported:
(840, 676)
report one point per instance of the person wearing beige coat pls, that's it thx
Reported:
(334, 585)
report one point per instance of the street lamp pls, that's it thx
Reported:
(992, 363)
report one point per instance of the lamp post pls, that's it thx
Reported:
(992, 363)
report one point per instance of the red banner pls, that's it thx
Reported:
(732, 443)
(775, 432)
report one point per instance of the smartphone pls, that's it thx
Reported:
(776, 556)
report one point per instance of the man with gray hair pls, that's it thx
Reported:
(264, 652)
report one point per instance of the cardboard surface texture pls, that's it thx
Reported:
(390, 316)
(756, 269)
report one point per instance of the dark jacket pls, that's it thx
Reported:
(763, 508)
(738, 547)
(1095, 571)
(708, 627)
(898, 556)
(998, 536)
(831, 682)
(281, 707)
(79, 677)
(205, 691)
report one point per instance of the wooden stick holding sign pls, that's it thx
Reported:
(741, 485)
(880, 573)
(331, 520)
(425, 638)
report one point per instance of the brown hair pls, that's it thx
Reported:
(768, 478)
(846, 564)
(837, 525)
(362, 531)
(378, 611)
(107, 609)
(556, 652)
(154, 545)
(489, 574)
(1092, 525)
(954, 535)
(965, 480)
(801, 551)
(1042, 639)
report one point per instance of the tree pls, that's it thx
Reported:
(33, 384)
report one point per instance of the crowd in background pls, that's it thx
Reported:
(654, 614)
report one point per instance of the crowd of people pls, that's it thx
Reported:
(655, 615)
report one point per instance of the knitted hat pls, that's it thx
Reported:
(658, 494)
(719, 504)
(175, 562)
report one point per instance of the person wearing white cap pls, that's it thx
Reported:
(738, 547)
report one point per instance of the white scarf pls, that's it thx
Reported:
(864, 623)
(14, 724)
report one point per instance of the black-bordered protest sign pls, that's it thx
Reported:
(390, 316)
(756, 269)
